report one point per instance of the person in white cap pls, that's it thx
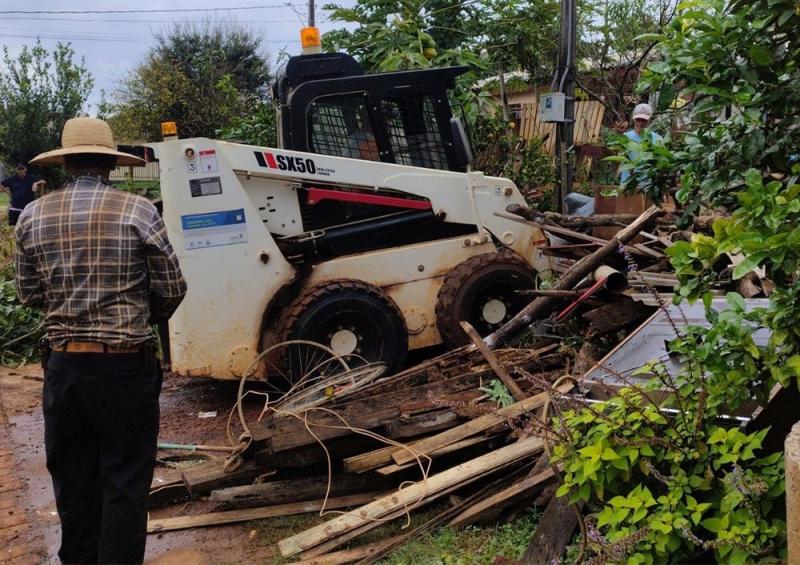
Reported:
(642, 114)
(98, 262)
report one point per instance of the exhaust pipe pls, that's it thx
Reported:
(616, 281)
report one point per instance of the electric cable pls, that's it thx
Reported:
(152, 11)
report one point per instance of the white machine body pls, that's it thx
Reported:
(225, 206)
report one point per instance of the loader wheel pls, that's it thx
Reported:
(483, 291)
(356, 320)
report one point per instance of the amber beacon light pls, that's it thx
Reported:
(169, 130)
(310, 40)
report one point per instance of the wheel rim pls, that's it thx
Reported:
(344, 342)
(496, 302)
(349, 333)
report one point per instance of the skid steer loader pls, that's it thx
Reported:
(363, 231)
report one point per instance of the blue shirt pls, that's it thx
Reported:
(21, 189)
(635, 137)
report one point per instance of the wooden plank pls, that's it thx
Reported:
(473, 427)
(210, 475)
(408, 496)
(636, 248)
(352, 554)
(371, 460)
(297, 490)
(452, 448)
(525, 487)
(233, 516)
(499, 370)
(333, 543)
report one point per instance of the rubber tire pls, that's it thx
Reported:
(464, 285)
(313, 313)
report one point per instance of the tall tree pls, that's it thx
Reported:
(39, 91)
(201, 77)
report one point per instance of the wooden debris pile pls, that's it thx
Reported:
(443, 430)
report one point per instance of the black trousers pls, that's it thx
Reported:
(101, 427)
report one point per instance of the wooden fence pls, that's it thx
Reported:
(150, 172)
(588, 121)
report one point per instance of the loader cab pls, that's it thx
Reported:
(328, 105)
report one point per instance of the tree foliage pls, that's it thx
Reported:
(39, 91)
(405, 34)
(200, 77)
(617, 39)
(695, 486)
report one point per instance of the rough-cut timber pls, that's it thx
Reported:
(297, 490)
(233, 516)
(525, 487)
(475, 426)
(408, 496)
(567, 221)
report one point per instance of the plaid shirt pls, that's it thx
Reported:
(98, 262)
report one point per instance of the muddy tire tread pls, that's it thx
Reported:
(455, 279)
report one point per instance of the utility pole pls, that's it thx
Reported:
(565, 82)
(311, 18)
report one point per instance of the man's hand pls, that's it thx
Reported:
(621, 126)
(39, 185)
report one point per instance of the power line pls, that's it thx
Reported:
(80, 20)
(160, 11)
(115, 39)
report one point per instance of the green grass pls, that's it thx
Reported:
(445, 546)
(3, 199)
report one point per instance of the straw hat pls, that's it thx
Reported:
(86, 135)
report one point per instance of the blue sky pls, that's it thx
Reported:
(113, 44)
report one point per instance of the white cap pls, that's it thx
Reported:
(642, 112)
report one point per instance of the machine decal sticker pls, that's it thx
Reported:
(191, 167)
(205, 187)
(280, 162)
(208, 161)
(211, 229)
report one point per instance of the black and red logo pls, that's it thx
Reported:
(285, 163)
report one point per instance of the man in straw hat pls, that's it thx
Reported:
(98, 262)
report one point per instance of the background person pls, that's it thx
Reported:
(642, 115)
(98, 262)
(22, 187)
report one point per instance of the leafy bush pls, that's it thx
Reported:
(20, 327)
(501, 153)
(675, 486)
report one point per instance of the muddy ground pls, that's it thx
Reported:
(181, 402)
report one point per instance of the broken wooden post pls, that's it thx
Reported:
(499, 370)
(575, 274)
(553, 534)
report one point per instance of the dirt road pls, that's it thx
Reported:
(29, 527)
